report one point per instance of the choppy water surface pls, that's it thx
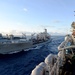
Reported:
(24, 62)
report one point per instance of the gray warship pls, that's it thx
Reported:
(11, 44)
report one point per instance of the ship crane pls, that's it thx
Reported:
(24, 35)
(32, 35)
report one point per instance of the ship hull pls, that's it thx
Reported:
(14, 47)
(17, 47)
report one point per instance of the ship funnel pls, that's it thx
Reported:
(45, 30)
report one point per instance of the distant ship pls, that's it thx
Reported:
(12, 44)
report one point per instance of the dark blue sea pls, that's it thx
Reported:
(23, 63)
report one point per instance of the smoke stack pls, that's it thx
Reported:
(45, 30)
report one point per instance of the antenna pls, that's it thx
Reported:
(74, 11)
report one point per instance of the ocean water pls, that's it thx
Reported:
(24, 62)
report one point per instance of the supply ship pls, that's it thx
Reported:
(12, 44)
